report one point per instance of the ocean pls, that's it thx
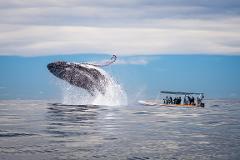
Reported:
(45, 130)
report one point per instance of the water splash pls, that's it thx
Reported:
(114, 95)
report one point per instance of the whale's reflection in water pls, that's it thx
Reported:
(73, 128)
(70, 120)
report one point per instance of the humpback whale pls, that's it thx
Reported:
(83, 75)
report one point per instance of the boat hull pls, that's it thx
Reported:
(158, 103)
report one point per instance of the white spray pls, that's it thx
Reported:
(114, 95)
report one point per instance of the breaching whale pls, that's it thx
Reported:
(83, 75)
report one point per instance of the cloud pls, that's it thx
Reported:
(127, 27)
(136, 61)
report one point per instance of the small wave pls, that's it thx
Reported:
(214, 105)
(15, 134)
(57, 133)
(142, 112)
(138, 158)
(73, 105)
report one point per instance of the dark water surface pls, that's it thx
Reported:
(43, 130)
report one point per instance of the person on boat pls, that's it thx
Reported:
(193, 100)
(189, 100)
(167, 100)
(175, 100)
(171, 100)
(198, 101)
(185, 100)
(180, 100)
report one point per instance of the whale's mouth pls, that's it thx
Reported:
(50, 66)
(56, 66)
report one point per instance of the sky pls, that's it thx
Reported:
(123, 27)
(142, 77)
(187, 45)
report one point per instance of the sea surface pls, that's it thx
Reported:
(43, 130)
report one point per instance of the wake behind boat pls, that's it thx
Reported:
(177, 99)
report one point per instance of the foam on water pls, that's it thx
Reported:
(114, 95)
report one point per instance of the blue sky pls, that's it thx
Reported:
(140, 76)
